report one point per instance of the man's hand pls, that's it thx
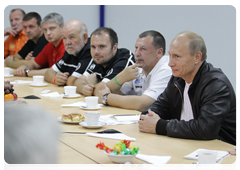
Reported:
(29, 56)
(100, 93)
(92, 79)
(88, 90)
(147, 123)
(9, 31)
(61, 78)
(20, 71)
(128, 74)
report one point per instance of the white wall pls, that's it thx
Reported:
(216, 24)
(88, 14)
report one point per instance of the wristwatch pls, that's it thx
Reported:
(26, 72)
(104, 99)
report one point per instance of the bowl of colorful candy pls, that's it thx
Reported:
(121, 152)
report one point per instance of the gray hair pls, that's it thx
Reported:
(54, 17)
(196, 43)
(83, 30)
(30, 135)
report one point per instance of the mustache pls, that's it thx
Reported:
(69, 46)
(97, 55)
(138, 58)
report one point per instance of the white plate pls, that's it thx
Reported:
(38, 85)
(217, 167)
(84, 107)
(74, 96)
(10, 75)
(100, 124)
(60, 120)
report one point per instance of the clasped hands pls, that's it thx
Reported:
(61, 78)
(148, 122)
(90, 86)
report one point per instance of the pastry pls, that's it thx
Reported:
(75, 117)
(67, 118)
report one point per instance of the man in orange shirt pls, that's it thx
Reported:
(17, 37)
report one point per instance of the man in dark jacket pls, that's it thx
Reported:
(199, 101)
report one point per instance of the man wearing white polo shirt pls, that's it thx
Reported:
(139, 85)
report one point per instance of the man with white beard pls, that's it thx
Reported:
(76, 57)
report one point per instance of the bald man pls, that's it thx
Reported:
(76, 57)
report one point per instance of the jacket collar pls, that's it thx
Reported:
(181, 83)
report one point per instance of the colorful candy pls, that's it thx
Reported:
(122, 148)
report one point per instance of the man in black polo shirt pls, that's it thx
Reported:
(76, 57)
(108, 61)
(35, 44)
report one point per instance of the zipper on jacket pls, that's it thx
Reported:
(178, 90)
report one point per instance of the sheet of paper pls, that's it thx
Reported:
(127, 118)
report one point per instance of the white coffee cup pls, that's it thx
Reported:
(38, 79)
(207, 157)
(7, 71)
(91, 102)
(70, 90)
(92, 117)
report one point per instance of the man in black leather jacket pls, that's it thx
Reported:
(207, 110)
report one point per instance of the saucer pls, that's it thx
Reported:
(74, 96)
(86, 108)
(38, 85)
(60, 120)
(99, 125)
(10, 75)
(217, 167)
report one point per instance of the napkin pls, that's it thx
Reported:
(194, 155)
(21, 82)
(53, 94)
(111, 120)
(77, 104)
(133, 118)
(118, 136)
(153, 159)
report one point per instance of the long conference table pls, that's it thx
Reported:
(80, 148)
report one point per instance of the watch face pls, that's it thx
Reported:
(104, 99)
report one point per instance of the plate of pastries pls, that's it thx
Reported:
(71, 118)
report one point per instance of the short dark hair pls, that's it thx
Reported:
(23, 12)
(158, 39)
(31, 15)
(112, 34)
